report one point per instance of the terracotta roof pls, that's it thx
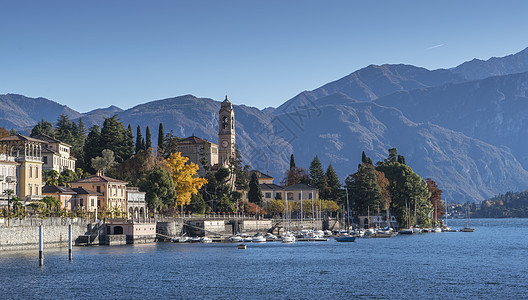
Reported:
(83, 191)
(19, 137)
(98, 178)
(193, 140)
(272, 187)
(260, 174)
(54, 189)
(300, 186)
(49, 139)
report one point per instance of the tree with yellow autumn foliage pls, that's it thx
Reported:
(184, 177)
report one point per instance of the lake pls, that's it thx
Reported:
(488, 263)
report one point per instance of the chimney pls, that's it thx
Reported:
(99, 173)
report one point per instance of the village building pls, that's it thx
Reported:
(112, 191)
(8, 178)
(136, 203)
(217, 155)
(56, 155)
(27, 152)
(73, 199)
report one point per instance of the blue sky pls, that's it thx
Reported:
(93, 54)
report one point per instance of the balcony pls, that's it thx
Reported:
(29, 158)
(5, 157)
(11, 179)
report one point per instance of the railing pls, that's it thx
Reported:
(5, 157)
(11, 179)
(29, 158)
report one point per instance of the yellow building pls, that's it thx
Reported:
(56, 155)
(28, 153)
(112, 191)
(194, 148)
(8, 178)
(73, 199)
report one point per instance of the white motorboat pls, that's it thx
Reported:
(270, 237)
(406, 231)
(288, 237)
(236, 239)
(258, 238)
(206, 240)
(436, 229)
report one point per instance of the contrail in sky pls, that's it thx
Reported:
(435, 46)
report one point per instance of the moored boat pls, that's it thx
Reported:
(258, 238)
(288, 237)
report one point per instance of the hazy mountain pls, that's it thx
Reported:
(480, 69)
(20, 112)
(339, 129)
(494, 110)
(466, 135)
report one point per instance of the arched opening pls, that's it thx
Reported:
(118, 230)
(366, 223)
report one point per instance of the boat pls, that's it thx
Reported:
(206, 240)
(468, 227)
(437, 229)
(236, 239)
(406, 231)
(345, 238)
(270, 237)
(181, 239)
(288, 237)
(384, 233)
(242, 246)
(196, 239)
(258, 238)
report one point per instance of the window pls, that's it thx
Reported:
(30, 172)
(81, 202)
(98, 189)
(30, 188)
(268, 195)
(92, 202)
(289, 196)
(36, 172)
(300, 196)
(309, 195)
(45, 159)
(36, 189)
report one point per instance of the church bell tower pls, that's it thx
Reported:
(226, 132)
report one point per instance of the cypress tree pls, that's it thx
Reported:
(161, 139)
(143, 145)
(148, 139)
(129, 149)
(292, 162)
(139, 137)
(255, 193)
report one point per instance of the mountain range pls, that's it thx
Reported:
(463, 127)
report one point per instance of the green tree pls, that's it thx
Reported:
(92, 148)
(159, 188)
(333, 183)
(12, 131)
(317, 175)
(292, 162)
(148, 139)
(161, 141)
(139, 137)
(51, 177)
(63, 129)
(102, 163)
(255, 193)
(363, 189)
(79, 138)
(197, 205)
(171, 144)
(67, 176)
(113, 137)
(42, 127)
(365, 159)
(9, 194)
(204, 153)
(406, 189)
(129, 141)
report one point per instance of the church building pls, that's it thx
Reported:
(216, 155)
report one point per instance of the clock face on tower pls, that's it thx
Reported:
(224, 144)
